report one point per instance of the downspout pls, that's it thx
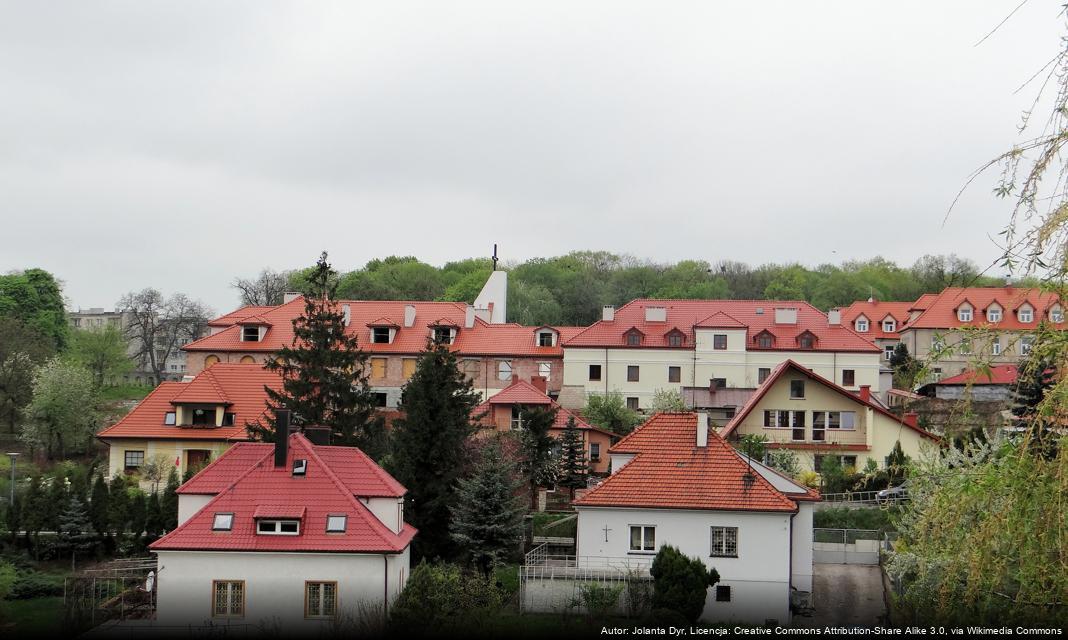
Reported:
(693, 377)
(790, 580)
(606, 371)
(385, 585)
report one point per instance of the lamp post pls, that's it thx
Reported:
(13, 456)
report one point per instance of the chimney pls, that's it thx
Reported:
(469, 317)
(865, 392)
(290, 296)
(834, 317)
(786, 315)
(912, 419)
(346, 311)
(409, 315)
(702, 430)
(281, 438)
(608, 313)
(540, 383)
(655, 314)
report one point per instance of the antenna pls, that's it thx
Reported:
(495, 259)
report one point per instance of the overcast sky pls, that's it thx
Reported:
(178, 145)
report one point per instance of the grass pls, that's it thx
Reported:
(566, 530)
(37, 617)
(122, 392)
(846, 518)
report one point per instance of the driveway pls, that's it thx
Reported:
(845, 595)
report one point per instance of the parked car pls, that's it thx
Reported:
(893, 495)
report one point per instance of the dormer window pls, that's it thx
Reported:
(336, 524)
(765, 340)
(300, 467)
(546, 339)
(250, 333)
(443, 335)
(993, 314)
(1026, 315)
(1056, 314)
(862, 325)
(633, 338)
(676, 339)
(964, 314)
(203, 417)
(806, 341)
(278, 527)
(223, 522)
(380, 335)
(889, 326)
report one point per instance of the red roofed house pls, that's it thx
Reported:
(190, 423)
(800, 410)
(295, 536)
(994, 385)
(676, 482)
(503, 412)
(647, 345)
(877, 321)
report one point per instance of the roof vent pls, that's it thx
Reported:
(346, 311)
(760, 311)
(409, 315)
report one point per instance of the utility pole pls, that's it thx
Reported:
(13, 457)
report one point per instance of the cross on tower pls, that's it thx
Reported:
(606, 530)
(495, 256)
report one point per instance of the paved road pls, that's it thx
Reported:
(845, 594)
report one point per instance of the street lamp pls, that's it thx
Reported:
(13, 456)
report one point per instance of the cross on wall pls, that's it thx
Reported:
(606, 530)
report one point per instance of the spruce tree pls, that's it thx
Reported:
(539, 465)
(324, 374)
(153, 517)
(138, 513)
(428, 446)
(1033, 380)
(487, 520)
(573, 468)
(168, 504)
(99, 508)
(35, 510)
(75, 529)
(57, 499)
(679, 583)
(118, 505)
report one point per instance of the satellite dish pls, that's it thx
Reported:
(150, 582)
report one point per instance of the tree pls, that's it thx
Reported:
(609, 411)
(266, 289)
(157, 327)
(63, 414)
(75, 530)
(667, 400)
(138, 511)
(487, 520)
(681, 584)
(22, 350)
(833, 474)
(35, 299)
(154, 521)
(118, 505)
(35, 507)
(324, 374)
(573, 467)
(155, 469)
(439, 600)
(168, 504)
(102, 351)
(752, 445)
(784, 460)
(896, 464)
(99, 507)
(906, 368)
(538, 464)
(428, 446)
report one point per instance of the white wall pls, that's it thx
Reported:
(496, 291)
(274, 585)
(759, 577)
(801, 569)
(189, 504)
(389, 510)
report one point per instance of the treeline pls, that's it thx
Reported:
(571, 289)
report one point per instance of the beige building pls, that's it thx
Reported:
(800, 410)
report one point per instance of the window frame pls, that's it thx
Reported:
(636, 404)
(503, 367)
(379, 367)
(598, 378)
(643, 541)
(795, 396)
(722, 589)
(542, 335)
(344, 522)
(170, 418)
(852, 378)
(229, 598)
(991, 312)
(545, 370)
(719, 341)
(322, 600)
(126, 459)
(216, 526)
(862, 325)
(965, 311)
(674, 373)
(763, 373)
(889, 326)
(633, 373)
(726, 542)
(595, 452)
(245, 333)
(279, 523)
(1030, 315)
(377, 332)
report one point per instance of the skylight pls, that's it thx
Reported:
(336, 524)
(300, 467)
(223, 522)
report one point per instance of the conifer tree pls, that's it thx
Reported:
(428, 446)
(138, 513)
(679, 583)
(1033, 380)
(573, 468)
(539, 465)
(35, 510)
(168, 504)
(118, 505)
(487, 519)
(153, 517)
(99, 508)
(75, 529)
(324, 373)
(57, 499)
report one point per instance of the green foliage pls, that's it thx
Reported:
(609, 411)
(487, 519)
(600, 600)
(324, 379)
(102, 352)
(439, 599)
(168, 503)
(835, 479)
(573, 468)
(8, 576)
(22, 350)
(537, 463)
(680, 583)
(75, 530)
(897, 464)
(63, 415)
(752, 445)
(35, 298)
(785, 461)
(848, 518)
(99, 506)
(428, 446)
(907, 369)
(667, 400)
(36, 584)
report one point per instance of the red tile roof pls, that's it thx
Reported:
(941, 309)
(263, 490)
(238, 315)
(1004, 374)
(757, 315)
(239, 386)
(876, 311)
(669, 471)
(524, 393)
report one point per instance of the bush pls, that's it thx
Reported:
(440, 598)
(600, 600)
(34, 584)
(845, 518)
(680, 583)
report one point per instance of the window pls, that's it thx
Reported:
(819, 426)
(248, 360)
(806, 342)
(938, 343)
(1025, 345)
(632, 404)
(228, 598)
(595, 372)
(675, 339)
(1027, 314)
(723, 593)
(995, 347)
(834, 420)
(278, 527)
(632, 373)
(674, 374)
(504, 370)
(797, 389)
(765, 341)
(781, 419)
(203, 417)
(848, 377)
(300, 468)
(724, 542)
(134, 460)
(717, 383)
(1056, 315)
(595, 451)
(862, 325)
(889, 326)
(223, 522)
(762, 374)
(174, 367)
(719, 341)
(320, 599)
(443, 335)
(517, 417)
(845, 461)
(545, 370)
(380, 335)
(336, 524)
(936, 374)
(964, 314)
(378, 368)
(888, 352)
(169, 418)
(634, 339)
(381, 399)
(545, 339)
(250, 334)
(408, 367)
(228, 419)
(993, 315)
(965, 347)
(642, 538)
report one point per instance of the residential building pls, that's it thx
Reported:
(648, 345)
(676, 482)
(97, 319)
(878, 321)
(798, 409)
(190, 423)
(993, 385)
(504, 412)
(296, 537)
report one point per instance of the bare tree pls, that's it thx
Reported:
(157, 327)
(265, 290)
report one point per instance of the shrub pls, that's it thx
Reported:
(440, 598)
(600, 600)
(34, 584)
(680, 583)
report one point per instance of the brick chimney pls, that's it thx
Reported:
(865, 392)
(912, 419)
(540, 383)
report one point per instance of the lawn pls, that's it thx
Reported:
(36, 617)
(124, 392)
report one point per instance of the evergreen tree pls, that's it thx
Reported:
(118, 505)
(57, 499)
(99, 509)
(905, 367)
(324, 373)
(75, 529)
(428, 446)
(1033, 380)
(573, 468)
(153, 516)
(138, 512)
(487, 519)
(35, 510)
(679, 583)
(896, 464)
(168, 504)
(539, 465)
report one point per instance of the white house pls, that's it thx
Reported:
(296, 536)
(676, 482)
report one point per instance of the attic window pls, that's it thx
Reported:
(203, 417)
(1027, 315)
(442, 335)
(380, 335)
(806, 341)
(336, 524)
(964, 314)
(889, 326)
(545, 339)
(223, 522)
(300, 467)
(228, 419)
(765, 340)
(993, 315)
(634, 339)
(862, 325)
(1056, 315)
(278, 527)
(169, 418)
(250, 334)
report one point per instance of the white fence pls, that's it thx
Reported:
(560, 583)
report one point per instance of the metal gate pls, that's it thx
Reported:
(846, 546)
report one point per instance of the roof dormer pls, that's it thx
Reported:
(1056, 313)
(994, 312)
(1025, 313)
(965, 312)
(861, 324)
(546, 336)
(889, 324)
(806, 340)
(383, 330)
(675, 338)
(633, 337)
(443, 331)
(253, 329)
(764, 340)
